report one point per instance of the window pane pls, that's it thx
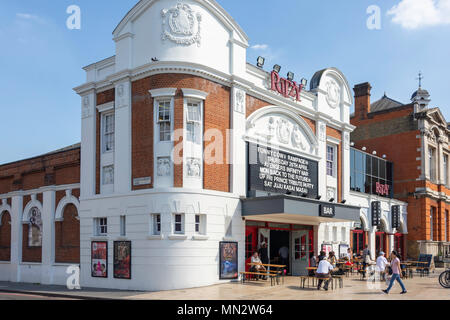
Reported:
(382, 172)
(368, 165)
(375, 168)
(108, 175)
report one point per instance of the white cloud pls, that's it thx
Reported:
(30, 17)
(260, 47)
(413, 14)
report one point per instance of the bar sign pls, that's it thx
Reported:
(396, 217)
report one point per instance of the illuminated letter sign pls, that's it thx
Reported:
(382, 189)
(286, 87)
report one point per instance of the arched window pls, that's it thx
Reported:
(5, 236)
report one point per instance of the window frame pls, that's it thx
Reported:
(333, 162)
(104, 116)
(195, 136)
(99, 227)
(155, 224)
(158, 103)
(181, 223)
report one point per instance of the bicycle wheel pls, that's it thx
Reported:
(444, 279)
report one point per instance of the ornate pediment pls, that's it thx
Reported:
(282, 128)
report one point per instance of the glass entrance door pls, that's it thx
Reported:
(300, 252)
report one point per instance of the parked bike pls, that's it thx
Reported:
(444, 279)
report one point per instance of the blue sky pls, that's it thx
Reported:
(41, 59)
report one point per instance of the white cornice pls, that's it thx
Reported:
(40, 190)
(123, 36)
(164, 92)
(195, 94)
(105, 107)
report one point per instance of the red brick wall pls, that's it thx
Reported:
(30, 254)
(5, 237)
(254, 104)
(142, 132)
(52, 169)
(67, 237)
(216, 115)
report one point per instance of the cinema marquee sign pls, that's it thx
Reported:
(279, 172)
(285, 87)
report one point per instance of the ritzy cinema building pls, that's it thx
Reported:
(191, 158)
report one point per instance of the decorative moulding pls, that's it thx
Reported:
(105, 107)
(124, 36)
(194, 94)
(200, 237)
(155, 237)
(165, 92)
(333, 140)
(181, 25)
(177, 237)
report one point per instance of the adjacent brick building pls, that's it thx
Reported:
(415, 138)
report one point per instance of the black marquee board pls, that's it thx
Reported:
(275, 171)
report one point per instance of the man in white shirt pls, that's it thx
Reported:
(324, 273)
(381, 265)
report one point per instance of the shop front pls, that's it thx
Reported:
(291, 224)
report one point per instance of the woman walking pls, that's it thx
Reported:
(396, 273)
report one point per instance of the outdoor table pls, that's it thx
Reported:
(279, 268)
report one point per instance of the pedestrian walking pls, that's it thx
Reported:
(396, 273)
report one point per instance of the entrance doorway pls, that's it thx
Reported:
(289, 245)
(279, 246)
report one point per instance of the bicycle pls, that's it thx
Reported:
(444, 279)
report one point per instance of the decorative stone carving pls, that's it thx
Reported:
(333, 93)
(193, 167)
(86, 109)
(331, 193)
(322, 132)
(122, 95)
(239, 100)
(35, 228)
(346, 141)
(163, 167)
(181, 25)
(283, 131)
(298, 139)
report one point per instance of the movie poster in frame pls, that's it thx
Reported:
(228, 261)
(99, 259)
(122, 260)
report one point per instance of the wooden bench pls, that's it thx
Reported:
(304, 279)
(258, 274)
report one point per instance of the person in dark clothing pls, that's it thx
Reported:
(263, 253)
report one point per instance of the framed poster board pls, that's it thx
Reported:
(228, 260)
(327, 248)
(343, 249)
(99, 259)
(122, 260)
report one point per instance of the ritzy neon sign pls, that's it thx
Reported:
(285, 87)
(382, 189)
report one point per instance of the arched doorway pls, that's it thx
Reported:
(67, 236)
(5, 236)
(399, 242)
(359, 237)
(381, 239)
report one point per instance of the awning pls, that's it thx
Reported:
(297, 210)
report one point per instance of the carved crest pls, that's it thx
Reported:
(333, 94)
(181, 25)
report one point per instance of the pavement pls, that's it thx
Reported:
(419, 288)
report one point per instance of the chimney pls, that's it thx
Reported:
(362, 100)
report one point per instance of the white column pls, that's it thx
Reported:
(391, 244)
(48, 237)
(237, 143)
(16, 237)
(88, 145)
(122, 154)
(346, 166)
(440, 161)
(322, 134)
(372, 242)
